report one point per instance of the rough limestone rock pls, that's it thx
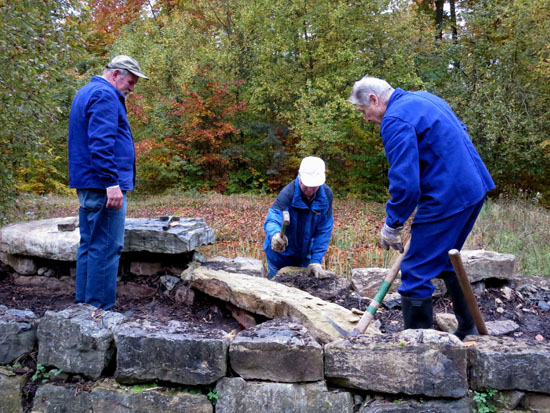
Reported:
(506, 363)
(11, 387)
(42, 238)
(17, 333)
(329, 286)
(367, 281)
(78, 339)
(538, 403)
(108, 396)
(416, 406)
(275, 300)
(241, 265)
(414, 362)
(236, 395)
(446, 322)
(482, 264)
(177, 352)
(21, 264)
(277, 350)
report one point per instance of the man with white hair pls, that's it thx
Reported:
(102, 169)
(434, 168)
(309, 202)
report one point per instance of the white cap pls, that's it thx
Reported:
(312, 171)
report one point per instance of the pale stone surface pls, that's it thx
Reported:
(414, 362)
(446, 322)
(367, 281)
(236, 395)
(17, 333)
(416, 406)
(506, 363)
(11, 386)
(241, 265)
(78, 339)
(501, 327)
(177, 352)
(275, 300)
(42, 238)
(108, 396)
(277, 350)
(482, 264)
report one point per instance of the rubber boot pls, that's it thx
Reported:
(466, 325)
(417, 312)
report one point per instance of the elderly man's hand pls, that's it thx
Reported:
(314, 270)
(278, 243)
(391, 237)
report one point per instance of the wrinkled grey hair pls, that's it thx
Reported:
(123, 72)
(369, 85)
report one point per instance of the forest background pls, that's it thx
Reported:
(241, 90)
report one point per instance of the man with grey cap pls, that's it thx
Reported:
(309, 203)
(102, 169)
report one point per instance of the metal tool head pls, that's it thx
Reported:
(353, 333)
(286, 218)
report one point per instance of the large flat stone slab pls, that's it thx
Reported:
(44, 239)
(78, 339)
(17, 333)
(275, 300)
(506, 363)
(278, 350)
(108, 396)
(177, 352)
(236, 395)
(483, 264)
(11, 387)
(417, 406)
(414, 362)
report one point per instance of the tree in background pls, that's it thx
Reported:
(39, 41)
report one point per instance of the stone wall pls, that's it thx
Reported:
(276, 366)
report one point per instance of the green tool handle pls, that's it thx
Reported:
(374, 305)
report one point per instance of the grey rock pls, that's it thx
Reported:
(501, 327)
(21, 265)
(17, 333)
(508, 399)
(277, 350)
(169, 281)
(414, 362)
(50, 398)
(537, 403)
(236, 395)
(42, 238)
(78, 339)
(506, 363)
(145, 268)
(416, 406)
(178, 353)
(241, 265)
(482, 264)
(11, 387)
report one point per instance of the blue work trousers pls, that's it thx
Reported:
(428, 255)
(101, 243)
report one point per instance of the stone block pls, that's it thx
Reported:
(237, 395)
(416, 406)
(145, 268)
(21, 265)
(537, 403)
(414, 362)
(278, 350)
(11, 387)
(177, 353)
(241, 265)
(506, 363)
(17, 333)
(482, 264)
(78, 339)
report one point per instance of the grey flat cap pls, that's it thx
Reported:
(128, 63)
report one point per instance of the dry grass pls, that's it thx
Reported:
(506, 226)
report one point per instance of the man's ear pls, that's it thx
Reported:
(373, 99)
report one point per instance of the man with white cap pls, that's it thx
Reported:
(102, 169)
(305, 241)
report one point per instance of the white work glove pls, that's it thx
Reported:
(391, 237)
(314, 270)
(278, 243)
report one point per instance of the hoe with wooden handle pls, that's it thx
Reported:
(374, 305)
(456, 260)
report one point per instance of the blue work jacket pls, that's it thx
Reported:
(433, 164)
(309, 230)
(101, 146)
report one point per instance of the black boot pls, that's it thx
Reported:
(417, 312)
(466, 325)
